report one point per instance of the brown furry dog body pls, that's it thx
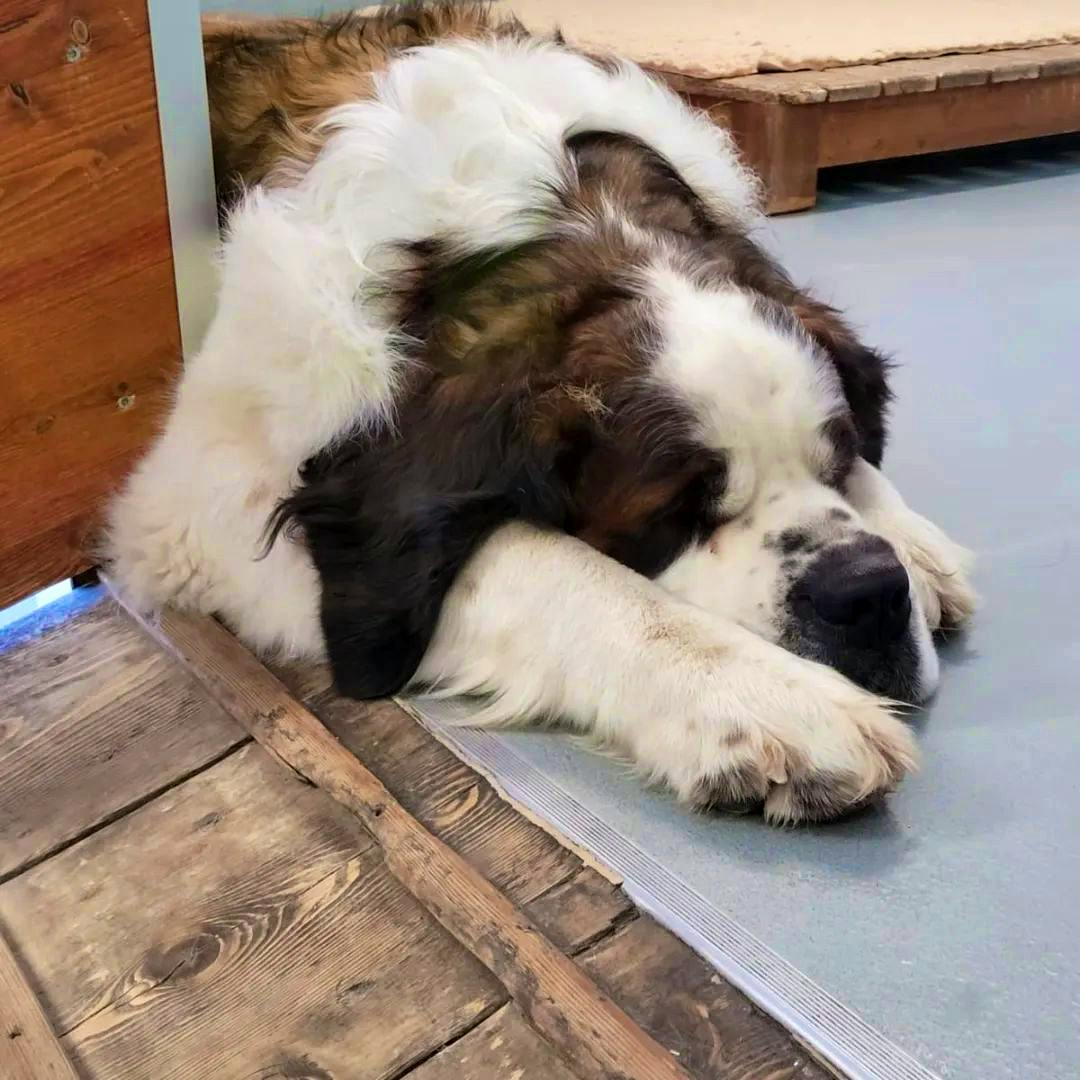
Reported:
(271, 82)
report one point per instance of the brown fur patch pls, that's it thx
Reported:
(561, 324)
(271, 81)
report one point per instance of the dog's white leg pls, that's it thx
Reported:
(548, 627)
(939, 567)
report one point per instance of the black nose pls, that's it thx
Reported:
(861, 591)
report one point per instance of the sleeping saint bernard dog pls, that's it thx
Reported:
(504, 399)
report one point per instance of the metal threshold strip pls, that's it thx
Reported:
(827, 1026)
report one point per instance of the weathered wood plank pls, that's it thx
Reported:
(781, 143)
(519, 858)
(570, 902)
(559, 1001)
(907, 77)
(573, 913)
(503, 1047)
(791, 87)
(967, 69)
(251, 919)
(577, 912)
(691, 1010)
(29, 1049)
(88, 325)
(235, 833)
(1057, 60)
(892, 77)
(947, 119)
(846, 84)
(1018, 67)
(94, 719)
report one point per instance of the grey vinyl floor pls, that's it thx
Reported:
(949, 921)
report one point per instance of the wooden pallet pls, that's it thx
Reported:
(176, 903)
(790, 124)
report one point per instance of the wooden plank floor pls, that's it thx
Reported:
(184, 906)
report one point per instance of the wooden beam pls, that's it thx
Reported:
(867, 81)
(786, 143)
(780, 143)
(29, 1049)
(596, 1038)
(853, 131)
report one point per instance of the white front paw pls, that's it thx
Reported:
(763, 728)
(939, 568)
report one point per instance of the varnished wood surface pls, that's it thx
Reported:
(89, 339)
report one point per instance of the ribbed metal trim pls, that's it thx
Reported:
(812, 1015)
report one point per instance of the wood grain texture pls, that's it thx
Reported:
(570, 902)
(89, 338)
(947, 119)
(503, 1047)
(29, 1049)
(574, 913)
(578, 912)
(94, 719)
(30, 30)
(589, 1031)
(241, 925)
(781, 144)
(865, 81)
(710, 1026)
(448, 798)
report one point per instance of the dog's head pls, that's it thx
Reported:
(642, 376)
(791, 557)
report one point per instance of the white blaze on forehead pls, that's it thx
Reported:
(759, 389)
(733, 362)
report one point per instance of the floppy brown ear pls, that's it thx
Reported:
(391, 521)
(863, 373)
(384, 581)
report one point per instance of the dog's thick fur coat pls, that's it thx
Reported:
(503, 399)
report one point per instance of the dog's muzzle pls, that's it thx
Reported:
(851, 609)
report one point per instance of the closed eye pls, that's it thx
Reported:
(836, 449)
